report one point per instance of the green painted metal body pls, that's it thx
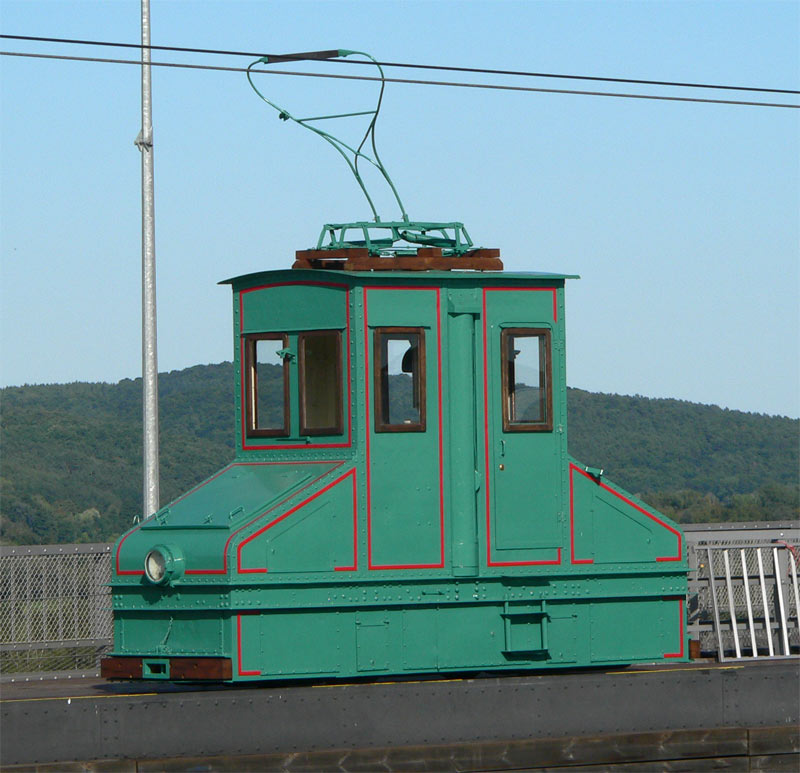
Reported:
(462, 546)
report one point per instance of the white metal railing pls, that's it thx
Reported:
(700, 623)
(754, 599)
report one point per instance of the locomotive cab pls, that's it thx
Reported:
(401, 497)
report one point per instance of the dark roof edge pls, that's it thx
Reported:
(407, 275)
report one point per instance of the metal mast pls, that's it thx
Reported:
(149, 351)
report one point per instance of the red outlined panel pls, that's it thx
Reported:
(368, 425)
(574, 468)
(224, 568)
(294, 446)
(487, 482)
(679, 653)
(262, 570)
(241, 671)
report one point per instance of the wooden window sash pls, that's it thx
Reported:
(545, 374)
(251, 387)
(381, 337)
(338, 428)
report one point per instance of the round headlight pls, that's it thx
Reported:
(163, 563)
(155, 566)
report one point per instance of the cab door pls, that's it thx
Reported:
(404, 441)
(523, 437)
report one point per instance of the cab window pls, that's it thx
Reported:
(399, 376)
(287, 374)
(320, 382)
(527, 380)
(267, 385)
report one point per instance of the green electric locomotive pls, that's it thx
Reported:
(401, 499)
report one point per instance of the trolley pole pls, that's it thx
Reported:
(149, 350)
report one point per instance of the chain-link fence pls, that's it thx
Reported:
(55, 610)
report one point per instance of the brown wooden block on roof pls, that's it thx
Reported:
(422, 263)
(426, 259)
(346, 252)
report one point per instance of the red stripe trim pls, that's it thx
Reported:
(489, 561)
(679, 653)
(441, 430)
(294, 282)
(574, 560)
(354, 566)
(383, 567)
(368, 430)
(242, 374)
(257, 570)
(239, 668)
(294, 446)
(555, 562)
(625, 499)
(486, 435)
(652, 517)
(348, 366)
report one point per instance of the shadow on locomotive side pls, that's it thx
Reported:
(401, 500)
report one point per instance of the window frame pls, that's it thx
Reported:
(251, 386)
(379, 335)
(545, 368)
(338, 428)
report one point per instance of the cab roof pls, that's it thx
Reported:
(407, 276)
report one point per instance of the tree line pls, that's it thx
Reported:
(71, 453)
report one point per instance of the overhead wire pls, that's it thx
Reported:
(412, 81)
(409, 65)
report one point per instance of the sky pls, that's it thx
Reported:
(682, 219)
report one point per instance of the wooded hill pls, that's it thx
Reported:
(71, 453)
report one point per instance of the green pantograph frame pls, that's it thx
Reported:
(380, 237)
